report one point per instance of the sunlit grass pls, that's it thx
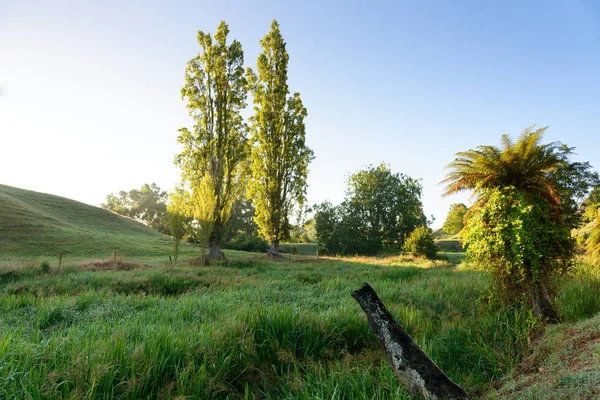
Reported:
(254, 328)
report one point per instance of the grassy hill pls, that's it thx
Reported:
(37, 225)
(564, 364)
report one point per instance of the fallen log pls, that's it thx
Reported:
(415, 370)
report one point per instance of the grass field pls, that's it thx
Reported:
(250, 328)
(306, 249)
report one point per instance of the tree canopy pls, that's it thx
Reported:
(526, 194)
(215, 89)
(455, 219)
(178, 216)
(380, 209)
(527, 165)
(279, 155)
(591, 205)
(147, 205)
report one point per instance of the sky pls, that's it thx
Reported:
(90, 96)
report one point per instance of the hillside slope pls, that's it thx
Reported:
(565, 364)
(34, 225)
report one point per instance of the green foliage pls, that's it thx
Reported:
(147, 205)
(241, 222)
(279, 155)
(306, 249)
(455, 221)
(177, 213)
(339, 232)
(593, 242)
(529, 166)
(379, 210)
(215, 91)
(45, 267)
(591, 205)
(252, 243)
(303, 231)
(527, 195)
(202, 207)
(389, 203)
(420, 243)
(518, 239)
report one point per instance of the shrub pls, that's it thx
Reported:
(421, 243)
(249, 243)
(45, 267)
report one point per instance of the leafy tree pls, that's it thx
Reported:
(177, 212)
(147, 205)
(380, 209)
(279, 155)
(202, 206)
(593, 242)
(591, 205)
(389, 204)
(327, 221)
(304, 232)
(241, 222)
(527, 183)
(421, 243)
(518, 238)
(455, 219)
(241, 232)
(215, 89)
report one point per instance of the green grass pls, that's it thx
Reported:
(250, 328)
(37, 226)
(253, 328)
(306, 249)
(565, 364)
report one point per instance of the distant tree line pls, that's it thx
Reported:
(147, 205)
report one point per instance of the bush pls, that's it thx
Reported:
(248, 243)
(45, 267)
(420, 243)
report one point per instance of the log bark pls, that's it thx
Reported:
(415, 370)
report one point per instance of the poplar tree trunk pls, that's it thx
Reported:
(415, 370)
(274, 250)
(214, 245)
(214, 251)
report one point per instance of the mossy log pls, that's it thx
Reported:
(415, 370)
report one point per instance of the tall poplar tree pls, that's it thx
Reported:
(279, 155)
(215, 89)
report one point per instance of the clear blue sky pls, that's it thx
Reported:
(90, 98)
